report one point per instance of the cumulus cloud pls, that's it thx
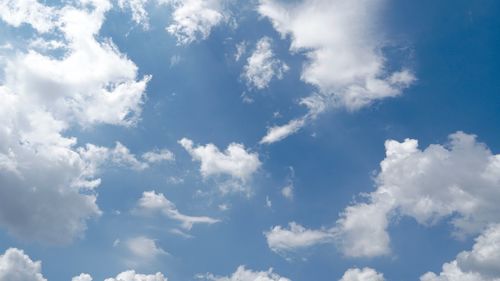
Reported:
(15, 265)
(458, 180)
(82, 277)
(46, 181)
(193, 20)
(157, 202)
(262, 66)
(296, 237)
(144, 248)
(480, 263)
(364, 274)
(343, 47)
(235, 162)
(243, 274)
(131, 275)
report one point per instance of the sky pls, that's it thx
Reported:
(261, 140)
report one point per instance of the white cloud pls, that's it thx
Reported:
(243, 274)
(364, 274)
(43, 172)
(297, 237)
(82, 277)
(15, 265)
(458, 181)
(277, 133)
(341, 42)
(131, 275)
(144, 248)
(156, 156)
(343, 47)
(481, 263)
(138, 9)
(241, 49)
(262, 66)
(156, 202)
(287, 192)
(235, 161)
(194, 19)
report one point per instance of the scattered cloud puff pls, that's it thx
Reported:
(131, 275)
(241, 49)
(481, 263)
(42, 172)
(144, 248)
(138, 9)
(243, 274)
(15, 265)
(262, 66)
(287, 192)
(296, 237)
(193, 20)
(364, 274)
(278, 133)
(235, 162)
(158, 155)
(82, 277)
(157, 202)
(344, 53)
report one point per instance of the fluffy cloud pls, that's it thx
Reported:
(144, 248)
(131, 275)
(262, 66)
(194, 19)
(296, 237)
(481, 263)
(458, 180)
(82, 277)
(17, 266)
(138, 9)
(345, 61)
(235, 161)
(156, 202)
(43, 172)
(365, 274)
(243, 274)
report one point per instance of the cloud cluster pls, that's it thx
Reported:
(457, 181)
(364, 274)
(262, 66)
(157, 202)
(15, 265)
(42, 171)
(343, 47)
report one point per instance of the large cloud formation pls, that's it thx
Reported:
(63, 78)
(459, 181)
(343, 46)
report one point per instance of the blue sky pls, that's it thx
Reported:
(261, 140)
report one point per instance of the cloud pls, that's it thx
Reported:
(287, 192)
(156, 202)
(262, 66)
(131, 275)
(193, 20)
(278, 133)
(235, 162)
(82, 277)
(241, 49)
(144, 248)
(243, 274)
(296, 237)
(15, 265)
(156, 156)
(343, 47)
(481, 263)
(365, 274)
(46, 181)
(137, 7)
(458, 181)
